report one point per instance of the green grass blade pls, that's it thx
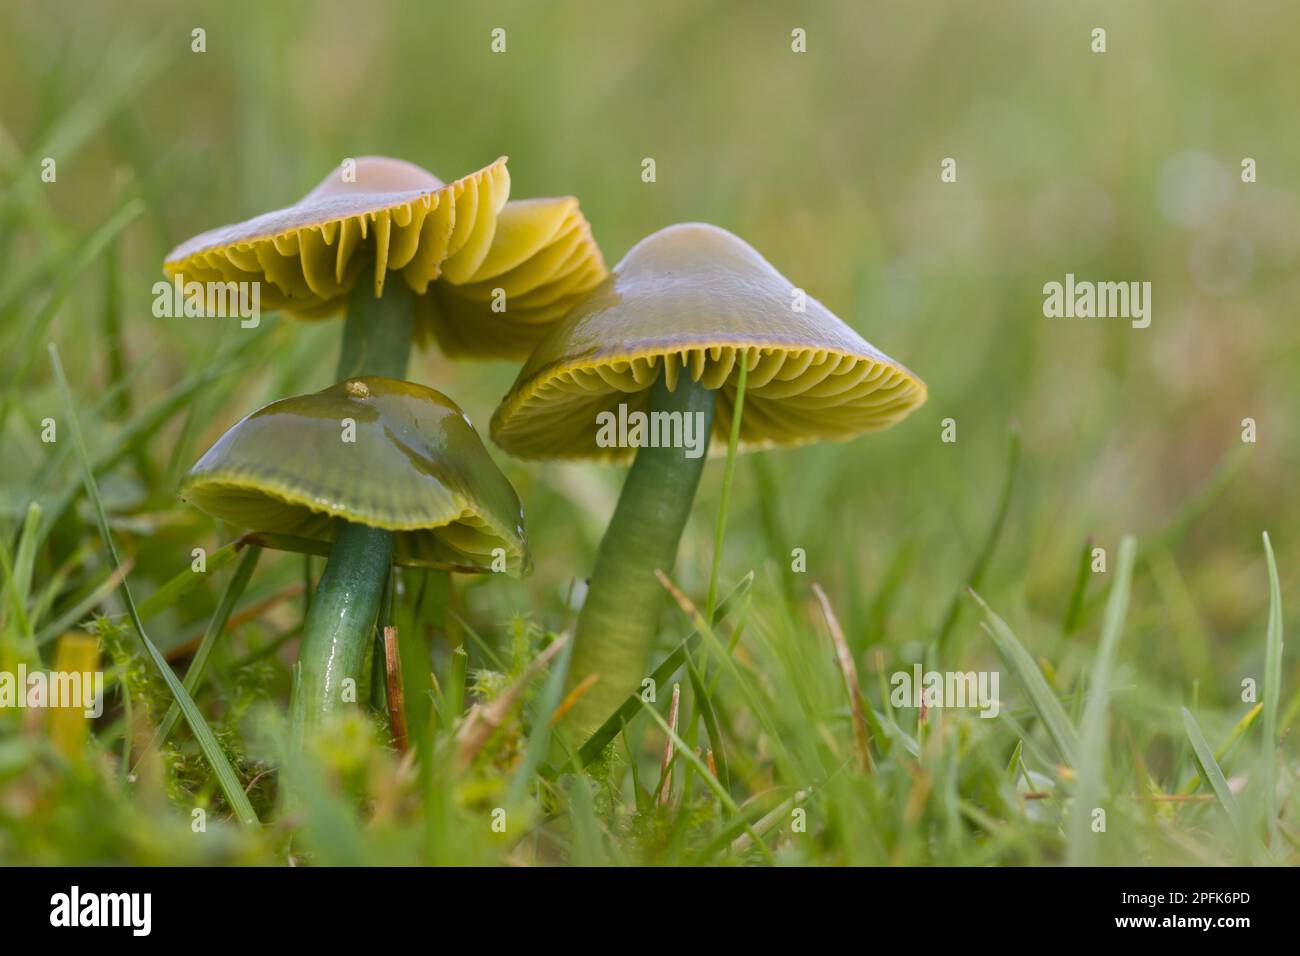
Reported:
(123, 75)
(1272, 687)
(1090, 787)
(682, 749)
(1026, 671)
(80, 611)
(1210, 770)
(88, 252)
(699, 691)
(1221, 752)
(728, 474)
(185, 581)
(142, 427)
(325, 822)
(216, 757)
(216, 627)
(1200, 500)
(25, 559)
(57, 582)
(773, 536)
(607, 731)
(756, 697)
(17, 601)
(976, 576)
(1074, 610)
(112, 324)
(53, 464)
(539, 739)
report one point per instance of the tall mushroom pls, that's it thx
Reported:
(377, 471)
(664, 335)
(469, 260)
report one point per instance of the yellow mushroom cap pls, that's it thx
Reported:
(542, 261)
(373, 451)
(461, 238)
(402, 217)
(686, 301)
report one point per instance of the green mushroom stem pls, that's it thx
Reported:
(377, 331)
(338, 633)
(337, 638)
(620, 615)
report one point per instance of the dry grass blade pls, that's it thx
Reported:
(850, 672)
(396, 700)
(683, 602)
(483, 719)
(238, 620)
(666, 766)
(572, 697)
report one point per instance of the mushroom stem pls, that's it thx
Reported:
(620, 616)
(377, 331)
(337, 637)
(338, 634)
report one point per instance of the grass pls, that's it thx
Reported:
(230, 784)
(1092, 742)
(1157, 690)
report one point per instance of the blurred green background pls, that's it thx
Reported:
(1122, 166)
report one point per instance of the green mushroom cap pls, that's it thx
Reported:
(372, 451)
(693, 300)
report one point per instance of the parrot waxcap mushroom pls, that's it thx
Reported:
(648, 366)
(336, 247)
(683, 305)
(371, 471)
(374, 211)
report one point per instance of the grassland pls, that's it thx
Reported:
(1122, 689)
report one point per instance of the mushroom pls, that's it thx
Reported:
(666, 334)
(376, 471)
(454, 244)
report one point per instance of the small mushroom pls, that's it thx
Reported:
(665, 334)
(385, 216)
(374, 471)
